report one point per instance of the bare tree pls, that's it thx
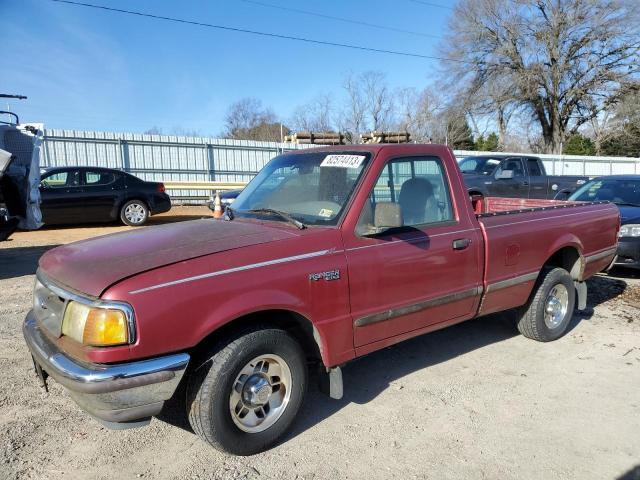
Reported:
(352, 119)
(314, 116)
(378, 99)
(420, 114)
(247, 119)
(153, 131)
(561, 59)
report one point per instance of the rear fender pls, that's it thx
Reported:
(572, 241)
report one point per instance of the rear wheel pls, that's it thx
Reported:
(548, 313)
(134, 213)
(245, 397)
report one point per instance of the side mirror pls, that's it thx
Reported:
(504, 175)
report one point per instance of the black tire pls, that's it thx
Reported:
(140, 209)
(210, 385)
(531, 317)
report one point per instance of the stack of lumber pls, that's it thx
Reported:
(386, 137)
(320, 138)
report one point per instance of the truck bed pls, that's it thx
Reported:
(521, 234)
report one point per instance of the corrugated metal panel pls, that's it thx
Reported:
(178, 158)
(162, 157)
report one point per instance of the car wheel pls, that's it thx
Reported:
(245, 396)
(547, 314)
(134, 213)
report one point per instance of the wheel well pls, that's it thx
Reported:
(476, 192)
(568, 258)
(127, 200)
(297, 325)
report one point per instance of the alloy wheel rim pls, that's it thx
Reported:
(556, 306)
(134, 213)
(260, 393)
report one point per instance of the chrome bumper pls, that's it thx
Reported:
(115, 394)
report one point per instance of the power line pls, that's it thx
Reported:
(256, 32)
(431, 4)
(341, 19)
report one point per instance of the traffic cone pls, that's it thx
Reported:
(217, 207)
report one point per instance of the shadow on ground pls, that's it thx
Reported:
(367, 377)
(20, 261)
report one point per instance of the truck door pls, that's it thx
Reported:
(538, 182)
(514, 184)
(425, 272)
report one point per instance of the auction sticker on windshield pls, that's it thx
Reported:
(343, 161)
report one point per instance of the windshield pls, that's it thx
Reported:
(621, 192)
(479, 165)
(313, 188)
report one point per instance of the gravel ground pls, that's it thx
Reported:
(472, 401)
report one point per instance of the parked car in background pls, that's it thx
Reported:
(92, 194)
(515, 176)
(227, 197)
(624, 191)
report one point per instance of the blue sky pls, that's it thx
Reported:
(88, 69)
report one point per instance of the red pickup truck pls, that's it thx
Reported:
(327, 255)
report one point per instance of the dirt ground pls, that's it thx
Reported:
(476, 400)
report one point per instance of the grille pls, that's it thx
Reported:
(48, 308)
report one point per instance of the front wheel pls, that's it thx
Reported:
(134, 213)
(244, 398)
(547, 314)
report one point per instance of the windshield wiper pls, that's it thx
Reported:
(281, 214)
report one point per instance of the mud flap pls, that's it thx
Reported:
(581, 290)
(331, 382)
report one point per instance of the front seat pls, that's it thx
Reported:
(415, 195)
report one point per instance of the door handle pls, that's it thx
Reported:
(461, 243)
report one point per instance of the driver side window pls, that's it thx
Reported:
(513, 164)
(416, 186)
(63, 179)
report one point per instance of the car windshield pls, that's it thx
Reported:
(618, 191)
(312, 188)
(479, 165)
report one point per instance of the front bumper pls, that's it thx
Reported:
(115, 394)
(628, 251)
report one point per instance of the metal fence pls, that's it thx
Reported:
(162, 158)
(168, 158)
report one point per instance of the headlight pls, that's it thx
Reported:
(630, 230)
(95, 326)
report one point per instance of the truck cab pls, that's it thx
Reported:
(519, 176)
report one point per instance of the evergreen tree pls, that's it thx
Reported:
(578, 144)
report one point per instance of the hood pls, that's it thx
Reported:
(91, 266)
(629, 214)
